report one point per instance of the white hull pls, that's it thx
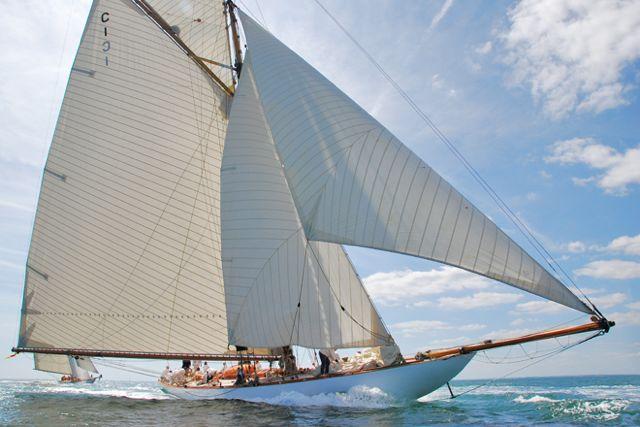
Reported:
(87, 381)
(404, 382)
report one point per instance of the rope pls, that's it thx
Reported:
(535, 362)
(502, 205)
(126, 368)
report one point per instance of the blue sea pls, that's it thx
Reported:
(590, 400)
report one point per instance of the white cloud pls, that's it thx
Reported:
(507, 333)
(441, 13)
(572, 54)
(484, 48)
(629, 318)
(17, 206)
(619, 169)
(611, 269)
(539, 307)
(608, 301)
(518, 322)
(414, 327)
(634, 305)
(545, 175)
(629, 245)
(31, 94)
(477, 300)
(576, 247)
(11, 265)
(407, 286)
(436, 81)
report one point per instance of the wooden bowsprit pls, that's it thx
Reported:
(597, 324)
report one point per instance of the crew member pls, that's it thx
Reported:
(324, 362)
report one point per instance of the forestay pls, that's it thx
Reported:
(354, 183)
(125, 252)
(280, 288)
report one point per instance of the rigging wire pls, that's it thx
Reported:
(502, 205)
(515, 371)
(124, 367)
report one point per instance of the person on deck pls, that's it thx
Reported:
(206, 372)
(324, 362)
(240, 378)
(289, 361)
(166, 374)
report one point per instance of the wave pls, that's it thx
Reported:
(592, 410)
(606, 410)
(138, 392)
(356, 397)
(627, 392)
(534, 399)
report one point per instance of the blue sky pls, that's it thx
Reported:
(542, 97)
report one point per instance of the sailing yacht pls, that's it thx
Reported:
(196, 198)
(74, 369)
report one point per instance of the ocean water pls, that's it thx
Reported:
(596, 400)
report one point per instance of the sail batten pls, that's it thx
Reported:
(355, 183)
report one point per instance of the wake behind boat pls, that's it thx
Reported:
(196, 198)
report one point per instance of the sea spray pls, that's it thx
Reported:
(356, 397)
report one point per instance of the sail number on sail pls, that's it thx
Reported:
(106, 45)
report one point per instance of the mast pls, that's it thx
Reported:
(235, 36)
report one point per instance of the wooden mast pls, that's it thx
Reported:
(596, 324)
(235, 37)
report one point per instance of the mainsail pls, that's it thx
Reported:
(280, 288)
(125, 252)
(354, 183)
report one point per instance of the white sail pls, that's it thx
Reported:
(354, 183)
(87, 364)
(280, 288)
(202, 25)
(54, 363)
(125, 252)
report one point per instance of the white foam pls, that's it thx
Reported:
(356, 397)
(534, 399)
(137, 392)
(602, 411)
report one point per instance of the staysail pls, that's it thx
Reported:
(354, 183)
(280, 288)
(125, 251)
